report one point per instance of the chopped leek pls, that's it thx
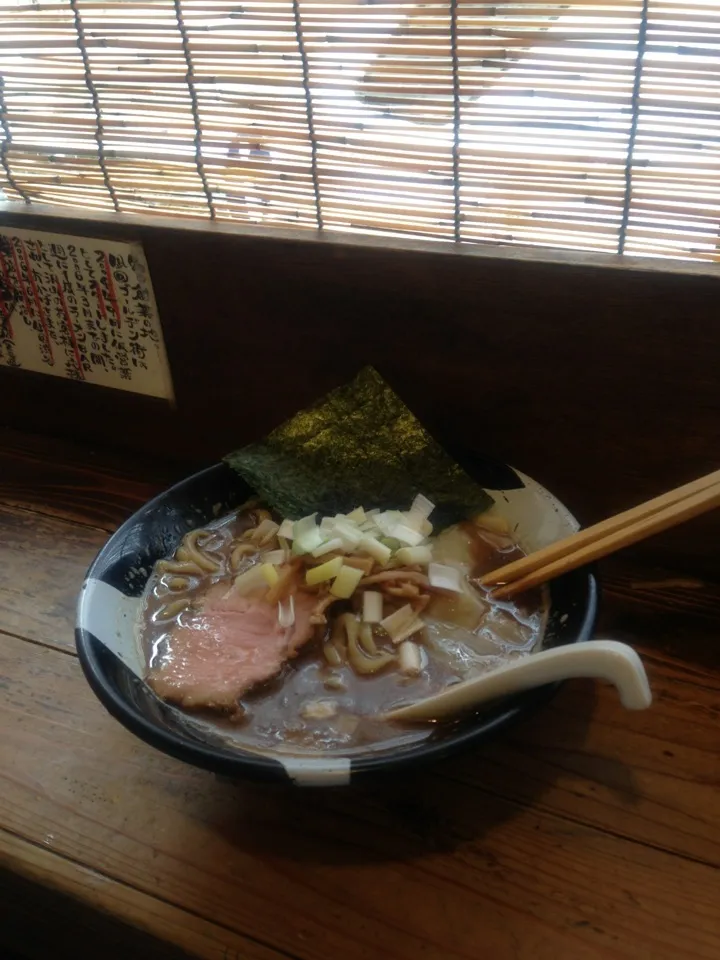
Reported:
(345, 582)
(411, 555)
(396, 622)
(348, 532)
(286, 530)
(335, 544)
(305, 524)
(387, 521)
(410, 660)
(422, 506)
(357, 515)
(417, 516)
(368, 527)
(413, 627)
(390, 542)
(378, 551)
(372, 606)
(326, 571)
(406, 534)
(307, 535)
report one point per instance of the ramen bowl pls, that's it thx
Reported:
(110, 653)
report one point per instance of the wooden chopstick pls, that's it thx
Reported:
(610, 535)
(561, 548)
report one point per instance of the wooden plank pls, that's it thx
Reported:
(671, 612)
(44, 561)
(110, 919)
(435, 865)
(650, 778)
(614, 774)
(97, 459)
(651, 775)
(99, 488)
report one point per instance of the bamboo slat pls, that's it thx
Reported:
(588, 124)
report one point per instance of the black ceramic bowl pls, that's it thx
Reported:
(109, 654)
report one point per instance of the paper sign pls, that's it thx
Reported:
(82, 309)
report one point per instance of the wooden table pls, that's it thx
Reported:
(585, 833)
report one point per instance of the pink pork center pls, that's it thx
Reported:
(232, 644)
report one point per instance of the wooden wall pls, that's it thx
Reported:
(597, 377)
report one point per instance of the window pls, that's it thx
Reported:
(588, 125)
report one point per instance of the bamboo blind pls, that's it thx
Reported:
(591, 124)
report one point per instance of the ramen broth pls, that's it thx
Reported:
(315, 703)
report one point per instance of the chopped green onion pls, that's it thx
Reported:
(387, 521)
(369, 527)
(304, 525)
(413, 627)
(407, 535)
(326, 571)
(378, 551)
(417, 515)
(422, 505)
(345, 582)
(372, 606)
(335, 544)
(347, 531)
(410, 660)
(286, 530)
(411, 555)
(307, 535)
(391, 543)
(396, 622)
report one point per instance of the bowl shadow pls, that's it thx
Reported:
(449, 804)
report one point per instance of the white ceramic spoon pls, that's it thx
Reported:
(603, 659)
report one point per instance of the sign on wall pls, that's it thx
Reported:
(82, 309)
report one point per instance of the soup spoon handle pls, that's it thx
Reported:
(603, 659)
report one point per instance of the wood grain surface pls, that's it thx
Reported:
(82, 910)
(48, 558)
(586, 833)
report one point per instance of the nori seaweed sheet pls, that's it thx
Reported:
(359, 445)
